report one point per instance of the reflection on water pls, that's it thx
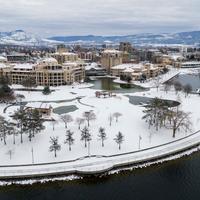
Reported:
(108, 84)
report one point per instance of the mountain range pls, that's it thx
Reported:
(20, 37)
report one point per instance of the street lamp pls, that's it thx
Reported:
(140, 138)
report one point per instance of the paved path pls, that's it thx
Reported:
(100, 163)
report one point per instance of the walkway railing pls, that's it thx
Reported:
(97, 164)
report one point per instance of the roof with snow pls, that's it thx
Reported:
(48, 60)
(3, 65)
(23, 66)
(3, 59)
(38, 105)
(111, 51)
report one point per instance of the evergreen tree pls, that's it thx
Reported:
(69, 138)
(29, 82)
(85, 135)
(20, 117)
(55, 146)
(119, 139)
(46, 90)
(4, 129)
(34, 123)
(6, 94)
(102, 135)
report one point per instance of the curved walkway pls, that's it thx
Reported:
(98, 163)
(79, 100)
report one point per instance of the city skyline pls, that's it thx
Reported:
(113, 17)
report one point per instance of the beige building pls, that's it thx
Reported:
(110, 58)
(45, 72)
(136, 70)
(63, 57)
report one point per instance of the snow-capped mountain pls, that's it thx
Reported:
(184, 38)
(20, 37)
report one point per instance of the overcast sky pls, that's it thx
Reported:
(99, 17)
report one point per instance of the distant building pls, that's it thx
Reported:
(93, 69)
(189, 64)
(18, 58)
(63, 57)
(110, 58)
(126, 46)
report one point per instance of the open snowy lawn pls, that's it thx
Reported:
(130, 124)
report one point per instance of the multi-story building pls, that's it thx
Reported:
(63, 57)
(136, 71)
(126, 46)
(110, 58)
(18, 58)
(45, 72)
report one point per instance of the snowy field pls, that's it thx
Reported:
(130, 124)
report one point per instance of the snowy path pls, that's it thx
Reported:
(99, 164)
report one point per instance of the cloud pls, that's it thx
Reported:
(107, 17)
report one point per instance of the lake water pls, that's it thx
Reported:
(175, 180)
(108, 84)
(192, 79)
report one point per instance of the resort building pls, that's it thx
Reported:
(110, 58)
(63, 57)
(191, 64)
(136, 71)
(45, 72)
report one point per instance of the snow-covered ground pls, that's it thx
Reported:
(130, 124)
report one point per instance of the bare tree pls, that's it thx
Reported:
(66, 119)
(55, 146)
(69, 138)
(117, 115)
(90, 115)
(178, 87)
(119, 139)
(178, 120)
(157, 82)
(167, 87)
(80, 121)
(187, 89)
(102, 135)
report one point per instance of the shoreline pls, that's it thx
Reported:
(97, 165)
